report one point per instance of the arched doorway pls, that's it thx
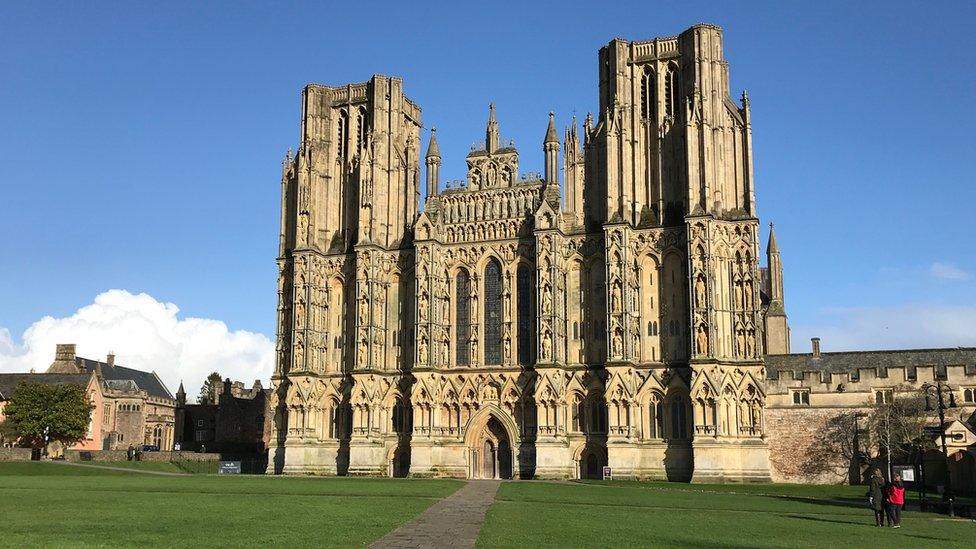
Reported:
(591, 462)
(490, 451)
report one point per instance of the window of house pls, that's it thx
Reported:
(969, 395)
(883, 396)
(801, 397)
(911, 373)
(940, 372)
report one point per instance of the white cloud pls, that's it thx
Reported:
(948, 271)
(144, 334)
(895, 327)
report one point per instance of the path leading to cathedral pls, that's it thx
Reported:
(451, 522)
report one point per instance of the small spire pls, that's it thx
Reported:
(432, 150)
(772, 247)
(551, 131)
(491, 133)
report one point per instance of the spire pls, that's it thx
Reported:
(432, 150)
(181, 395)
(772, 247)
(551, 131)
(433, 165)
(551, 149)
(491, 133)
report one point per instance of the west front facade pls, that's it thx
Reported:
(519, 326)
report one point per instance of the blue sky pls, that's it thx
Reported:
(141, 145)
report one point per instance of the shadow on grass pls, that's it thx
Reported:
(862, 523)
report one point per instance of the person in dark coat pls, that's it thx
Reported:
(876, 497)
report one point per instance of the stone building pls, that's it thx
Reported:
(804, 391)
(132, 407)
(239, 421)
(516, 325)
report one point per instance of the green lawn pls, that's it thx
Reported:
(623, 514)
(49, 504)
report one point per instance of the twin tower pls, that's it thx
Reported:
(517, 326)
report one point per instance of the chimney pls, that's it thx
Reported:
(65, 352)
(110, 359)
(816, 346)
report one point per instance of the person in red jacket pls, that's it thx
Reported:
(896, 500)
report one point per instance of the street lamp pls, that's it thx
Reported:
(942, 391)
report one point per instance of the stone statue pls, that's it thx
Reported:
(699, 291)
(422, 350)
(615, 297)
(546, 347)
(617, 343)
(702, 341)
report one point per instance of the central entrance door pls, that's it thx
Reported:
(491, 455)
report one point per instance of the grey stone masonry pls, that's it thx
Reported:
(452, 522)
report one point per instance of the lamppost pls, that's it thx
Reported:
(942, 391)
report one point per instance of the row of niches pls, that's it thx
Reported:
(488, 230)
(507, 204)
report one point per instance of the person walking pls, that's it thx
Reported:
(876, 497)
(896, 500)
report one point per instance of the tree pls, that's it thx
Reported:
(40, 413)
(211, 389)
(871, 436)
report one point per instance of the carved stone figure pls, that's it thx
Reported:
(702, 341)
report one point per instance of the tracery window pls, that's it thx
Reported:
(524, 314)
(493, 313)
(679, 419)
(343, 136)
(647, 93)
(362, 129)
(671, 100)
(462, 318)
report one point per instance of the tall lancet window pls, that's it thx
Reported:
(648, 93)
(671, 92)
(493, 313)
(462, 318)
(362, 129)
(342, 138)
(525, 316)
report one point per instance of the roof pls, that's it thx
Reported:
(147, 381)
(848, 361)
(9, 382)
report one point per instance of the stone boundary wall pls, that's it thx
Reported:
(178, 456)
(15, 454)
(122, 455)
(793, 435)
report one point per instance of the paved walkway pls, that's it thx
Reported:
(451, 522)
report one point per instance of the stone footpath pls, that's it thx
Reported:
(451, 522)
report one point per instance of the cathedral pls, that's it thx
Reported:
(519, 326)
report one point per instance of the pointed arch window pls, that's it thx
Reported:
(362, 128)
(343, 134)
(493, 313)
(648, 89)
(671, 91)
(462, 318)
(525, 279)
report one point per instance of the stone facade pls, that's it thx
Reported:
(239, 422)
(806, 390)
(514, 327)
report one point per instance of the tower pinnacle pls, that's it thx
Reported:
(491, 133)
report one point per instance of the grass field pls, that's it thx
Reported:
(47, 504)
(622, 514)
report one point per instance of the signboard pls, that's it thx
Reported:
(229, 468)
(907, 472)
(607, 473)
